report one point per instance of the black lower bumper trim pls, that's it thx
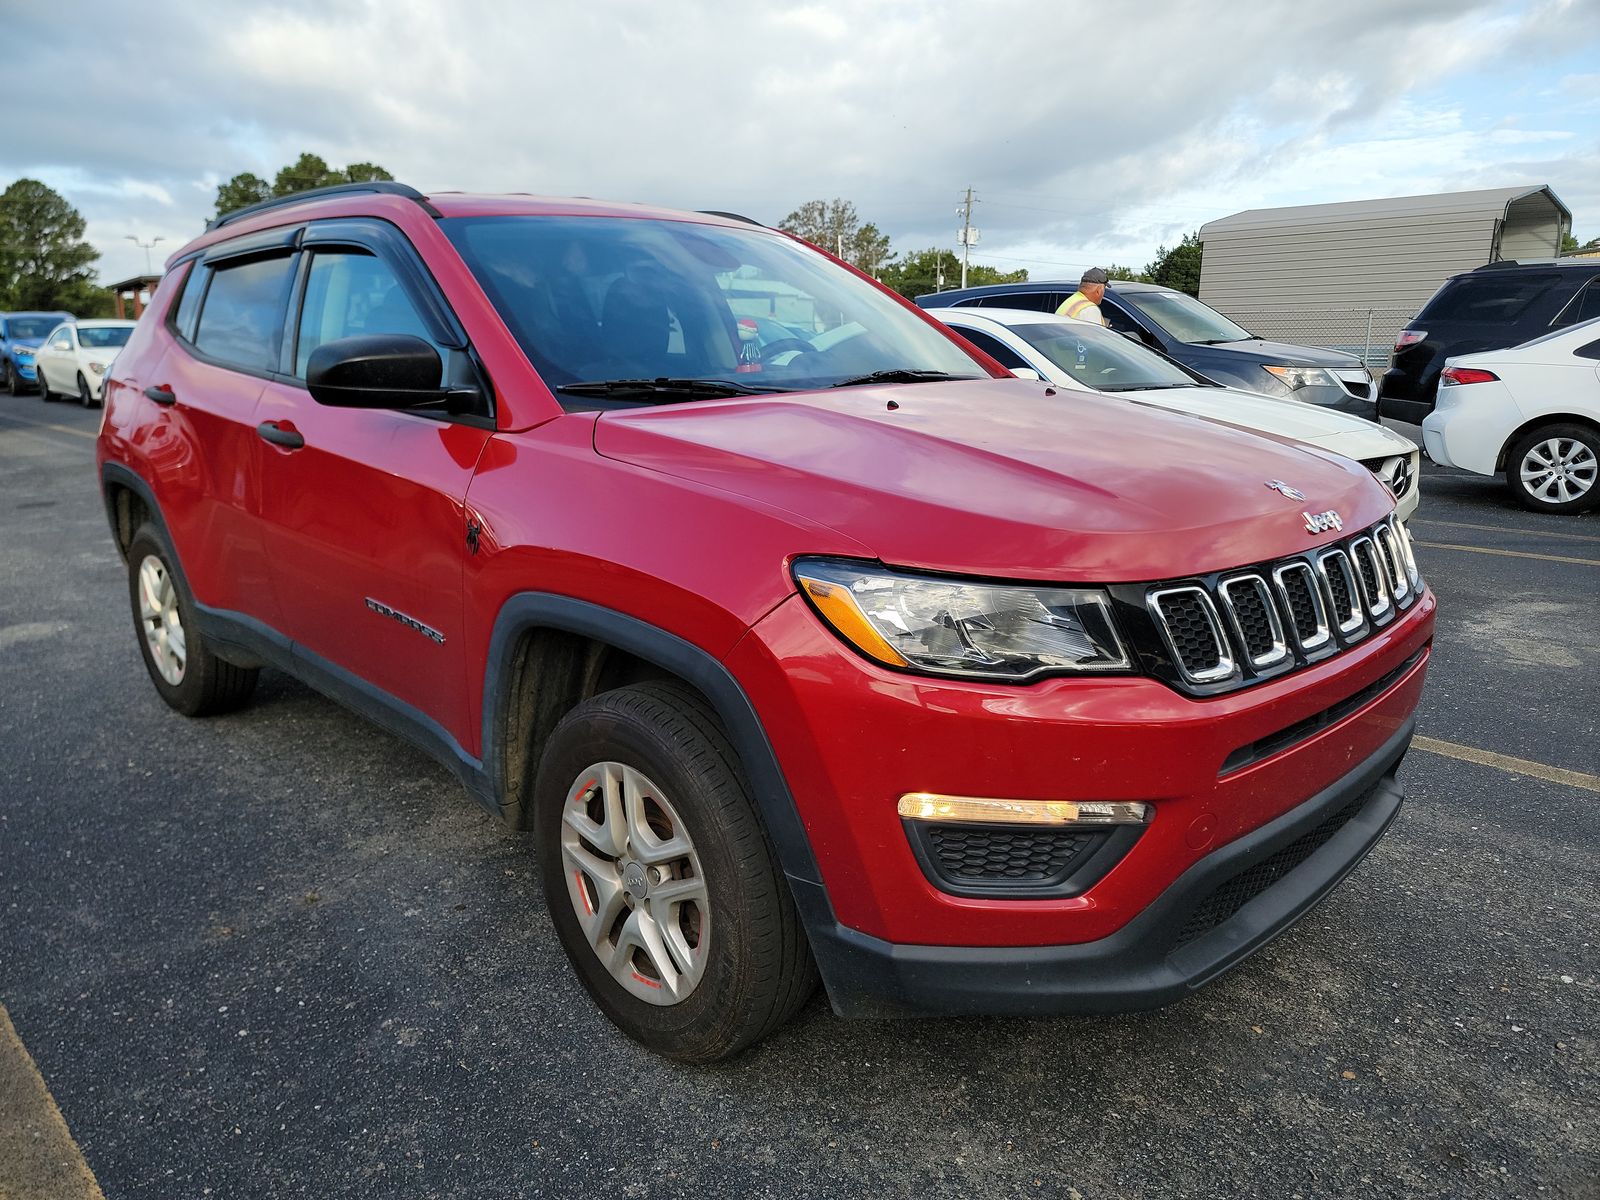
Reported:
(1146, 963)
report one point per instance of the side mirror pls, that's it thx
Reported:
(383, 370)
(1027, 373)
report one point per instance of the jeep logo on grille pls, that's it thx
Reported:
(1323, 521)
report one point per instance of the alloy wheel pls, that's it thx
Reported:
(160, 620)
(635, 883)
(1559, 470)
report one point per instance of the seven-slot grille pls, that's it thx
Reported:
(1251, 623)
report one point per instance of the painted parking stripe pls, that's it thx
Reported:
(83, 433)
(38, 1158)
(1533, 533)
(1560, 558)
(1504, 762)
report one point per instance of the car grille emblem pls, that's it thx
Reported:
(1279, 485)
(1323, 521)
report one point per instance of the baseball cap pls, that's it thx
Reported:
(1094, 275)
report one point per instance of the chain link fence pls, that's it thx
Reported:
(1368, 333)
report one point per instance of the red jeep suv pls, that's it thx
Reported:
(805, 639)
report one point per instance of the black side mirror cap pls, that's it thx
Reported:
(380, 370)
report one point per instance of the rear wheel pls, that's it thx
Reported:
(1555, 469)
(659, 879)
(188, 675)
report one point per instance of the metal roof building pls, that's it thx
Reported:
(1271, 269)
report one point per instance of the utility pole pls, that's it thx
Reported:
(969, 235)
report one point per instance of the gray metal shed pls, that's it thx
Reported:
(1295, 273)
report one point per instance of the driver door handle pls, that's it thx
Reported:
(281, 434)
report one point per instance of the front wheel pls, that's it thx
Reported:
(85, 396)
(44, 388)
(1555, 469)
(659, 879)
(188, 675)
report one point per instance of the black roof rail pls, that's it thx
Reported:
(712, 212)
(382, 186)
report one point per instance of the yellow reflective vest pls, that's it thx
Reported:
(1080, 308)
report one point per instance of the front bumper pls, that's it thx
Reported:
(1223, 908)
(25, 370)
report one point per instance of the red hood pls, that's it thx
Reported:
(993, 477)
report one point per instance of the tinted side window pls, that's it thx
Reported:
(1031, 301)
(194, 288)
(61, 341)
(1495, 296)
(993, 347)
(242, 321)
(1585, 306)
(1592, 350)
(348, 294)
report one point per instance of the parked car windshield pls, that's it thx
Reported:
(1100, 359)
(103, 337)
(30, 327)
(597, 299)
(1185, 318)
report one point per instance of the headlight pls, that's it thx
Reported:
(1301, 377)
(945, 626)
(24, 352)
(98, 368)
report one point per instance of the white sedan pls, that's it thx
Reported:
(1090, 358)
(74, 357)
(1532, 411)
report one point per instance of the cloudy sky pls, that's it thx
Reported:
(1090, 133)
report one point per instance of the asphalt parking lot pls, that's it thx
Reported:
(282, 954)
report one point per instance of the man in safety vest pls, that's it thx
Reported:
(1084, 304)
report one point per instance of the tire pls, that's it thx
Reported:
(1556, 469)
(44, 388)
(188, 676)
(85, 397)
(10, 377)
(739, 930)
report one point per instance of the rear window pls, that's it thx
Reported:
(1501, 296)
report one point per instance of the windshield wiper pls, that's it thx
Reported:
(900, 375)
(665, 390)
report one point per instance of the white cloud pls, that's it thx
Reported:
(1089, 130)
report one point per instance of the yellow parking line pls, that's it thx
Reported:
(38, 1157)
(1582, 562)
(83, 433)
(1504, 762)
(1536, 533)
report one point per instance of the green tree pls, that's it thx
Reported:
(918, 274)
(1178, 267)
(44, 261)
(306, 172)
(835, 226)
(1570, 244)
(1128, 273)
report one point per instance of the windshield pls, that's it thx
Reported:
(103, 337)
(1184, 317)
(1100, 359)
(598, 299)
(30, 327)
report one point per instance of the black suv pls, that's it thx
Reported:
(1199, 337)
(1495, 306)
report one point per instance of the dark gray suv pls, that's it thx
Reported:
(1199, 337)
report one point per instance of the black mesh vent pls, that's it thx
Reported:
(1344, 605)
(1369, 573)
(1249, 607)
(1388, 557)
(1302, 608)
(981, 852)
(1233, 894)
(1192, 633)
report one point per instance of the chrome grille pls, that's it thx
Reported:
(1254, 617)
(1226, 630)
(1188, 621)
